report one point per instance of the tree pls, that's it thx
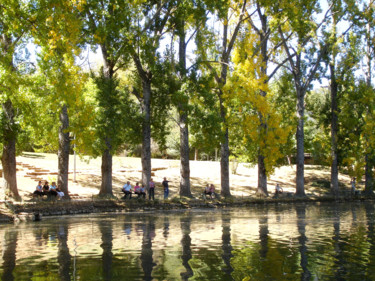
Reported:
(17, 19)
(148, 28)
(107, 26)
(298, 32)
(59, 39)
(237, 11)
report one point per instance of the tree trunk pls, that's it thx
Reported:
(106, 186)
(224, 165)
(146, 133)
(196, 154)
(183, 120)
(106, 168)
(369, 182)
(63, 154)
(334, 131)
(8, 159)
(300, 157)
(184, 154)
(262, 176)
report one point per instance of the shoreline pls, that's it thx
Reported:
(34, 211)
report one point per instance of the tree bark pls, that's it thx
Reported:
(183, 120)
(8, 159)
(184, 155)
(224, 164)
(146, 133)
(63, 154)
(334, 131)
(262, 176)
(106, 168)
(369, 181)
(106, 186)
(300, 135)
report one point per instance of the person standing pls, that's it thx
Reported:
(166, 188)
(151, 192)
(352, 182)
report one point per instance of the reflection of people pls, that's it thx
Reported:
(352, 182)
(127, 190)
(151, 192)
(278, 190)
(166, 187)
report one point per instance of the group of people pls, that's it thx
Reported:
(209, 190)
(49, 190)
(141, 190)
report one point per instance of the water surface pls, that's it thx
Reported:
(278, 242)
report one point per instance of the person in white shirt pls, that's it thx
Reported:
(127, 189)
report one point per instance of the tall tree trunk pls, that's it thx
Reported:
(146, 133)
(224, 164)
(8, 159)
(106, 168)
(369, 180)
(184, 155)
(183, 120)
(262, 176)
(369, 157)
(334, 131)
(63, 154)
(300, 157)
(106, 186)
(263, 36)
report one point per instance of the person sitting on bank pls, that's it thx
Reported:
(278, 190)
(137, 189)
(142, 191)
(46, 188)
(39, 189)
(60, 193)
(53, 189)
(207, 191)
(127, 189)
(212, 190)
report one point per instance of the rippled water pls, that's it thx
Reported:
(279, 242)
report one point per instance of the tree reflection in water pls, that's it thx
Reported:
(185, 222)
(226, 242)
(9, 254)
(146, 254)
(301, 225)
(63, 255)
(283, 242)
(105, 228)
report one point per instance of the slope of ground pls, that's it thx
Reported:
(34, 166)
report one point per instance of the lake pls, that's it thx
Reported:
(314, 241)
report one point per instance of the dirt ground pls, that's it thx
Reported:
(88, 175)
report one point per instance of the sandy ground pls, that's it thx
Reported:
(88, 175)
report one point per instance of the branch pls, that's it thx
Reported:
(282, 64)
(289, 55)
